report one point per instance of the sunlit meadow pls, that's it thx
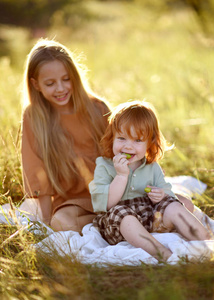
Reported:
(131, 52)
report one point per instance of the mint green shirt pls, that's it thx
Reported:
(146, 174)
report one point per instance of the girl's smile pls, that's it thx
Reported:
(62, 98)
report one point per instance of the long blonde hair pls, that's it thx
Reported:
(52, 141)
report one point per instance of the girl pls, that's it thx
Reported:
(61, 130)
(129, 188)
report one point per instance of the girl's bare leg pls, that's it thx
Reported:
(71, 217)
(134, 233)
(185, 222)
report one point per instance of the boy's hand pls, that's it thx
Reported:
(156, 194)
(121, 164)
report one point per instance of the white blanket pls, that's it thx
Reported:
(91, 248)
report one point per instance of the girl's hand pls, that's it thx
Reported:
(121, 164)
(156, 195)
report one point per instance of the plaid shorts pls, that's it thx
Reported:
(150, 216)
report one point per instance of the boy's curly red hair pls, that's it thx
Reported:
(140, 115)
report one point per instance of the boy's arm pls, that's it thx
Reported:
(116, 190)
(108, 185)
(99, 186)
(118, 185)
(161, 188)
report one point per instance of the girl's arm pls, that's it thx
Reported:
(45, 204)
(38, 209)
(118, 185)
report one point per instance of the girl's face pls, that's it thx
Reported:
(133, 145)
(54, 83)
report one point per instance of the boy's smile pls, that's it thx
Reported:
(133, 146)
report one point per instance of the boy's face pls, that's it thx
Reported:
(134, 145)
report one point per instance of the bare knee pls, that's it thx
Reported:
(59, 225)
(65, 219)
(187, 202)
(86, 219)
(71, 218)
(172, 211)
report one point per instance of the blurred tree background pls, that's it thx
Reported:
(39, 13)
(37, 16)
(30, 13)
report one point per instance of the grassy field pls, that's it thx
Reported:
(132, 52)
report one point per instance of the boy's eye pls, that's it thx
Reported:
(121, 138)
(138, 140)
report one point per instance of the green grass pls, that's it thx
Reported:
(132, 52)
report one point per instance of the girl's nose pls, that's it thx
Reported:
(59, 86)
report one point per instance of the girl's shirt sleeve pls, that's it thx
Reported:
(35, 179)
(99, 187)
(104, 109)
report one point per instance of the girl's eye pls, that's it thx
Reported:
(66, 79)
(49, 84)
(138, 140)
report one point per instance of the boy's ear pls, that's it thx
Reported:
(35, 84)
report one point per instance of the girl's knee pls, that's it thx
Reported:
(65, 219)
(59, 224)
(71, 218)
(86, 219)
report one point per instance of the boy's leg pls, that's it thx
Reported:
(185, 222)
(134, 233)
(187, 202)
